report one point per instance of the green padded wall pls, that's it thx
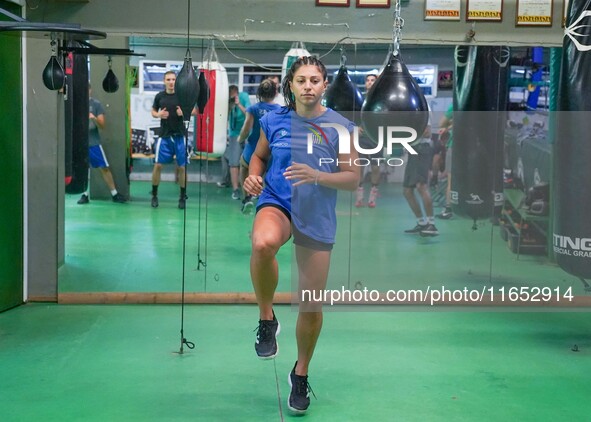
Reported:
(11, 163)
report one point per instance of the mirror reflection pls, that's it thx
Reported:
(398, 231)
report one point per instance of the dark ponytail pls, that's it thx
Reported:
(301, 61)
(267, 90)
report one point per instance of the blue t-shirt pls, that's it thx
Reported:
(312, 207)
(257, 111)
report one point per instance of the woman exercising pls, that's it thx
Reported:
(298, 197)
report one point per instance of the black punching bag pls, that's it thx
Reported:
(395, 99)
(76, 121)
(203, 93)
(572, 150)
(186, 87)
(342, 94)
(480, 103)
(110, 82)
(53, 75)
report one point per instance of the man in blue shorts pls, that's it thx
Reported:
(171, 142)
(96, 154)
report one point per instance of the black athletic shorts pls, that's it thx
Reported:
(418, 166)
(300, 238)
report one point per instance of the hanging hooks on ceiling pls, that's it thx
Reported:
(397, 29)
(343, 61)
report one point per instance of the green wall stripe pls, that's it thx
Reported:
(11, 163)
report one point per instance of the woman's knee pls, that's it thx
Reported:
(264, 245)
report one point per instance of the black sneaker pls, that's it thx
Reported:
(247, 206)
(154, 202)
(182, 203)
(266, 342)
(83, 199)
(416, 229)
(299, 399)
(119, 198)
(429, 231)
(446, 214)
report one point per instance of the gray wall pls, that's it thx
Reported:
(288, 20)
(45, 170)
(158, 48)
(45, 160)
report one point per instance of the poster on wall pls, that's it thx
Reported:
(373, 3)
(337, 3)
(443, 10)
(534, 13)
(484, 10)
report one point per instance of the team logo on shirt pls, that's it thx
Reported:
(317, 135)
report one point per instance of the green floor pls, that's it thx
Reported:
(398, 363)
(119, 363)
(134, 248)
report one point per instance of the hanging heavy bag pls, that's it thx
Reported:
(203, 93)
(202, 100)
(480, 98)
(394, 100)
(342, 94)
(213, 131)
(298, 49)
(572, 149)
(186, 87)
(76, 122)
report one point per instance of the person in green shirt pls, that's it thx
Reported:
(239, 101)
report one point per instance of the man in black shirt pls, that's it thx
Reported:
(171, 143)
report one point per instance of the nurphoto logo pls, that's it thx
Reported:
(388, 138)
